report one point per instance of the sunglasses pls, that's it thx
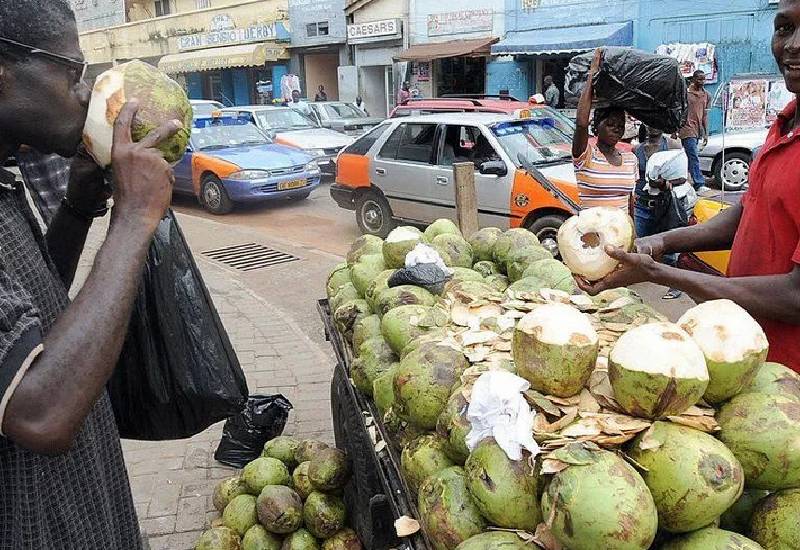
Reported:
(78, 67)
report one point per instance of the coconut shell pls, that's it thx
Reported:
(447, 510)
(329, 470)
(280, 509)
(324, 515)
(712, 538)
(422, 458)
(775, 524)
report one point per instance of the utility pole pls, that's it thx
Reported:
(466, 198)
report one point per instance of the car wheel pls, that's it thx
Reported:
(546, 230)
(734, 173)
(374, 215)
(213, 196)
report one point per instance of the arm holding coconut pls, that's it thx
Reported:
(48, 407)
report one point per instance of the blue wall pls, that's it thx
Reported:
(569, 13)
(194, 86)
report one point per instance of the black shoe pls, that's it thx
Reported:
(672, 294)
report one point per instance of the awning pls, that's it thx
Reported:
(453, 48)
(565, 39)
(244, 55)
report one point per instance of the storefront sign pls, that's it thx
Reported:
(459, 22)
(226, 35)
(364, 31)
(98, 14)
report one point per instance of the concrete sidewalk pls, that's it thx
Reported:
(172, 481)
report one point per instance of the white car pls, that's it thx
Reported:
(205, 107)
(287, 126)
(733, 168)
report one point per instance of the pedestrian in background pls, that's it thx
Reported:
(298, 104)
(404, 94)
(359, 104)
(695, 130)
(321, 94)
(551, 94)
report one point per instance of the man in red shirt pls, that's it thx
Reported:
(763, 232)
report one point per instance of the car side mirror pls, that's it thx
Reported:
(493, 168)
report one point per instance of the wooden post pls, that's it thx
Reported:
(466, 198)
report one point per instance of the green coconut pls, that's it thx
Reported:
(403, 324)
(423, 457)
(435, 335)
(300, 481)
(280, 509)
(657, 370)
(712, 538)
(346, 293)
(555, 348)
(498, 282)
(348, 314)
(329, 470)
(733, 343)
(308, 449)
(218, 538)
(504, 490)
(375, 358)
(447, 510)
(775, 379)
(402, 433)
(300, 540)
(524, 287)
(398, 244)
(441, 226)
(737, 517)
(599, 501)
(365, 271)
(378, 284)
(424, 381)
(486, 268)
(511, 240)
(483, 243)
(364, 329)
(554, 274)
(467, 292)
(454, 426)
(383, 389)
(265, 471)
(339, 277)
(324, 515)
(495, 540)
(403, 295)
(454, 250)
(227, 490)
(283, 448)
(775, 524)
(763, 432)
(362, 246)
(520, 260)
(258, 538)
(240, 514)
(462, 274)
(692, 476)
(346, 539)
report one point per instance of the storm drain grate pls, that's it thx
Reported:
(249, 257)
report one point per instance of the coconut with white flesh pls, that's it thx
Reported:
(657, 370)
(555, 349)
(582, 240)
(734, 344)
(398, 244)
(161, 99)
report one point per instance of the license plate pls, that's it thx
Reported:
(293, 184)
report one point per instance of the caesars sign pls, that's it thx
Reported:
(373, 29)
(223, 32)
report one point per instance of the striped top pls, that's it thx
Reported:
(600, 183)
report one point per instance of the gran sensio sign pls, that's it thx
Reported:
(223, 32)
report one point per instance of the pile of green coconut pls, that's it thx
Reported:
(652, 434)
(287, 499)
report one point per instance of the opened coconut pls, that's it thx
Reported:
(657, 370)
(692, 476)
(555, 349)
(511, 240)
(441, 226)
(483, 242)
(712, 538)
(161, 99)
(598, 501)
(775, 379)
(582, 240)
(763, 432)
(775, 524)
(423, 457)
(398, 244)
(447, 510)
(365, 244)
(454, 250)
(735, 346)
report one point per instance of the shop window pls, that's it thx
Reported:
(411, 142)
(162, 8)
(320, 28)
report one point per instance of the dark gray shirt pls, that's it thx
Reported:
(82, 499)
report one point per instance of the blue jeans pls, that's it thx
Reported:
(690, 146)
(646, 225)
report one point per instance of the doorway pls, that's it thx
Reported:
(460, 75)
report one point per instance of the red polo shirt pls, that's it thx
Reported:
(768, 239)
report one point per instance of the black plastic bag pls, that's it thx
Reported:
(177, 373)
(244, 435)
(670, 211)
(431, 277)
(649, 87)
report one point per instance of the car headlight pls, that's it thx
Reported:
(312, 167)
(248, 175)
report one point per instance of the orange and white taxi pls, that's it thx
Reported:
(402, 170)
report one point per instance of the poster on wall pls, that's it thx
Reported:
(747, 104)
(693, 57)
(779, 97)
(421, 71)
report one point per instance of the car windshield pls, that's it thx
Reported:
(224, 136)
(538, 140)
(283, 119)
(343, 110)
(205, 108)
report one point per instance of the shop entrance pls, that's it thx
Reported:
(321, 69)
(557, 68)
(460, 75)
